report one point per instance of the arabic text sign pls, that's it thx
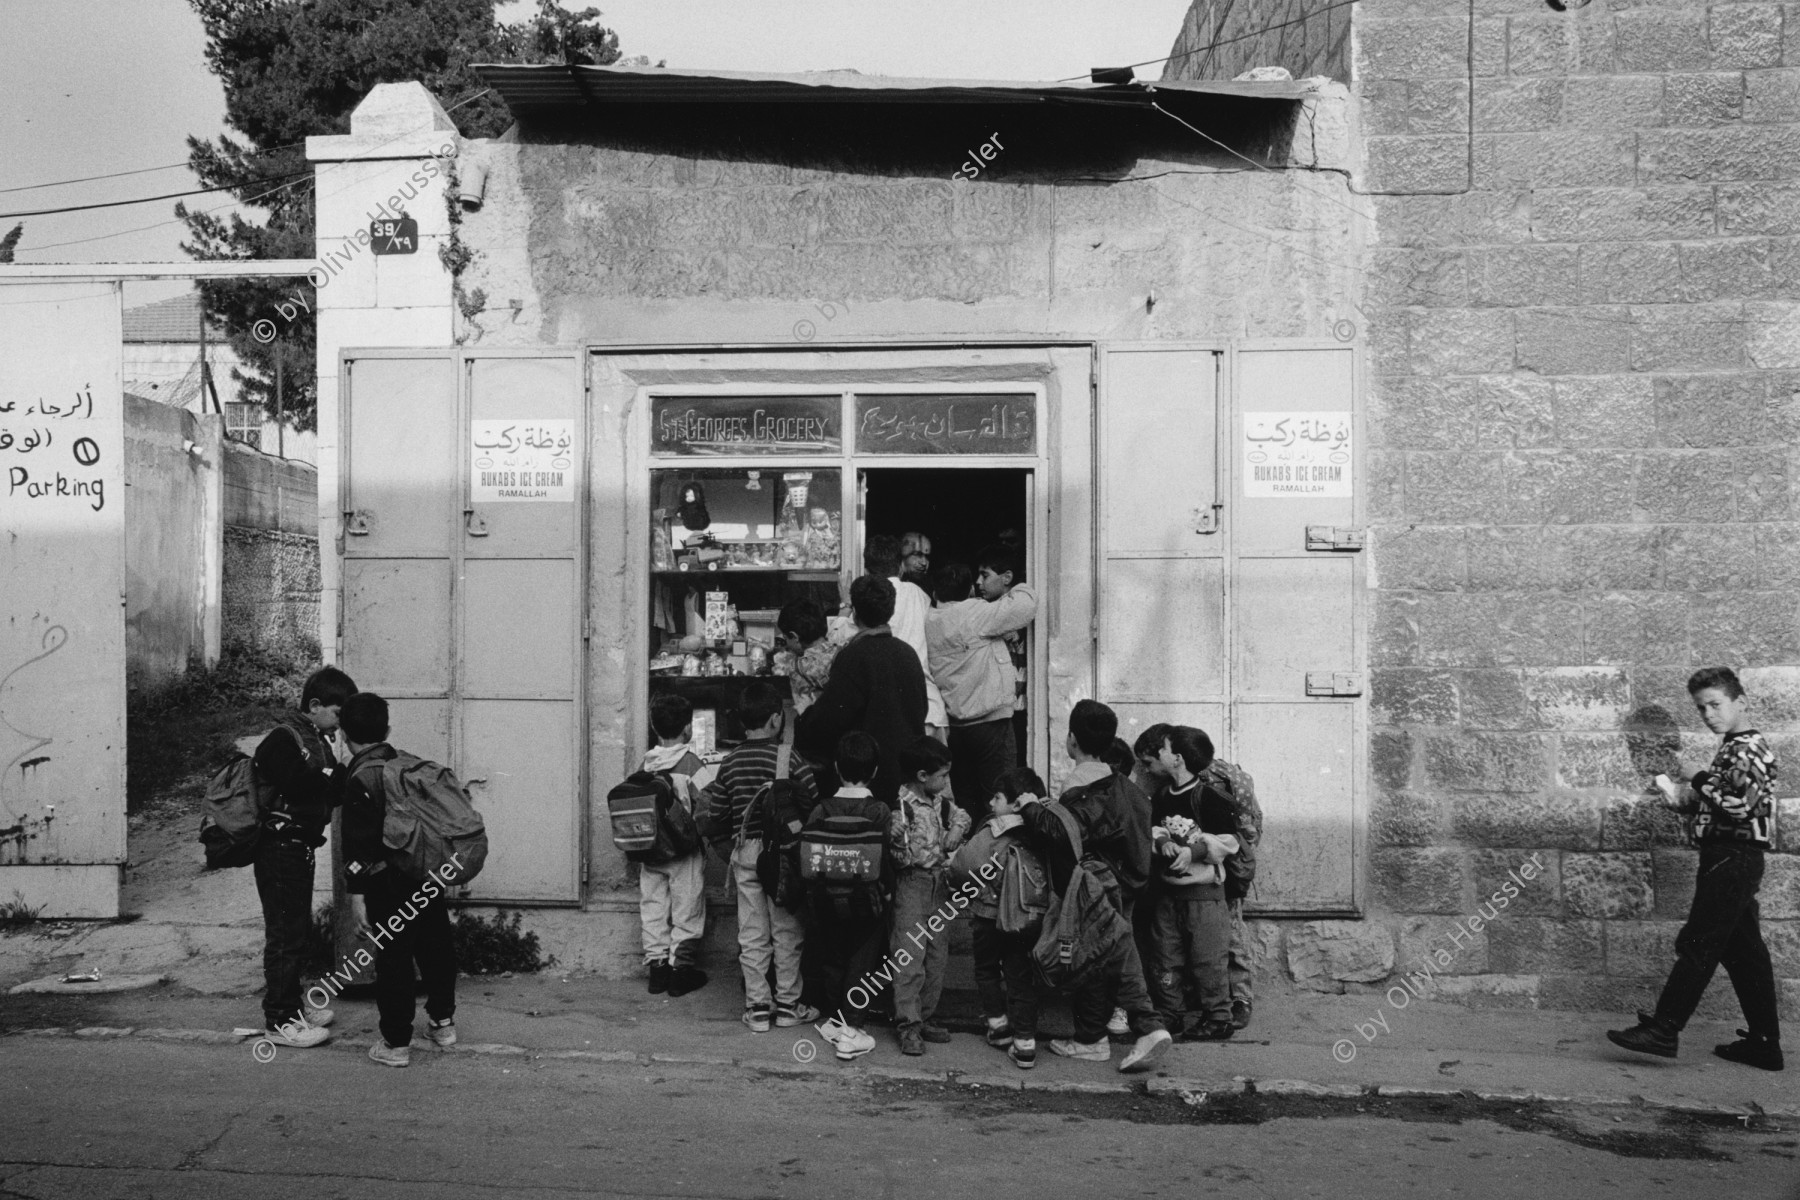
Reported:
(713, 425)
(522, 460)
(947, 424)
(1297, 454)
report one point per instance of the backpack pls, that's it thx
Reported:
(1025, 894)
(1240, 789)
(650, 823)
(841, 859)
(1082, 927)
(428, 821)
(779, 809)
(234, 810)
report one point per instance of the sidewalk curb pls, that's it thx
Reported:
(1192, 1090)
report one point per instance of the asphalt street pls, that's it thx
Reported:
(142, 1119)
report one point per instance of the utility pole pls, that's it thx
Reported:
(206, 378)
(280, 427)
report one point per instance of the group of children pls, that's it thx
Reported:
(864, 896)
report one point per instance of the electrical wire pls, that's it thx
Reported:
(33, 187)
(223, 187)
(1300, 20)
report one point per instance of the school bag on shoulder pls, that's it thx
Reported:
(1240, 789)
(234, 809)
(841, 857)
(1081, 927)
(775, 816)
(428, 822)
(649, 822)
(1024, 893)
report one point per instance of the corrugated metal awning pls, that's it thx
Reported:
(553, 90)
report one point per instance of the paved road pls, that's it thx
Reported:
(149, 1119)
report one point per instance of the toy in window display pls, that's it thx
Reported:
(821, 539)
(793, 554)
(692, 510)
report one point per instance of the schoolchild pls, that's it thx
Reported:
(768, 933)
(850, 919)
(672, 895)
(298, 763)
(925, 831)
(1194, 833)
(382, 896)
(1113, 817)
(805, 636)
(1003, 974)
(1731, 808)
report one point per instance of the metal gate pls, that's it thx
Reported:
(463, 492)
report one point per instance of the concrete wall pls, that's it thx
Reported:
(1584, 402)
(271, 555)
(172, 516)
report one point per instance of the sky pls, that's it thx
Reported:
(92, 87)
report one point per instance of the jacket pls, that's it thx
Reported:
(926, 830)
(1733, 800)
(742, 775)
(365, 811)
(1211, 812)
(690, 774)
(984, 844)
(912, 608)
(297, 763)
(877, 686)
(1113, 815)
(969, 656)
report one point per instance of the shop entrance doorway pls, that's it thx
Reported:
(961, 511)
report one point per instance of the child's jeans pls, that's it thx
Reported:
(1242, 989)
(284, 883)
(672, 910)
(767, 933)
(1191, 982)
(1003, 976)
(849, 951)
(1723, 928)
(425, 938)
(919, 982)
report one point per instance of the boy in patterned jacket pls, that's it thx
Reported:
(1732, 820)
(925, 831)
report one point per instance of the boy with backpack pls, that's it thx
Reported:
(1110, 818)
(296, 764)
(1195, 832)
(1240, 872)
(925, 831)
(672, 876)
(1003, 972)
(407, 929)
(745, 815)
(849, 876)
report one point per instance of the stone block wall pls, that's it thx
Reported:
(1220, 39)
(270, 584)
(1583, 397)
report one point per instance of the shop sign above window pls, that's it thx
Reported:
(732, 425)
(960, 423)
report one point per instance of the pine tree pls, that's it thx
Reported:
(296, 68)
(10, 242)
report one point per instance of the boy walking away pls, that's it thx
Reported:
(966, 639)
(672, 893)
(767, 931)
(1113, 818)
(1003, 974)
(848, 892)
(384, 898)
(297, 764)
(1732, 807)
(1194, 833)
(926, 830)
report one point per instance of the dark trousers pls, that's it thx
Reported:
(850, 948)
(979, 755)
(423, 938)
(1191, 982)
(1003, 976)
(284, 883)
(1722, 929)
(1120, 982)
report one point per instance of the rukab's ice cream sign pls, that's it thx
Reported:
(1297, 454)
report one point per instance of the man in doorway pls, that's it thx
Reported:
(966, 638)
(882, 558)
(915, 560)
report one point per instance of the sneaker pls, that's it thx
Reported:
(659, 978)
(1118, 1024)
(789, 1015)
(1758, 1052)
(441, 1033)
(1149, 1048)
(317, 1016)
(912, 1041)
(1646, 1037)
(390, 1056)
(1240, 1014)
(1000, 1036)
(1023, 1052)
(297, 1034)
(1100, 1051)
(931, 1031)
(848, 1041)
(686, 979)
(757, 1018)
(1214, 1031)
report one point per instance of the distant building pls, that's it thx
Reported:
(162, 363)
